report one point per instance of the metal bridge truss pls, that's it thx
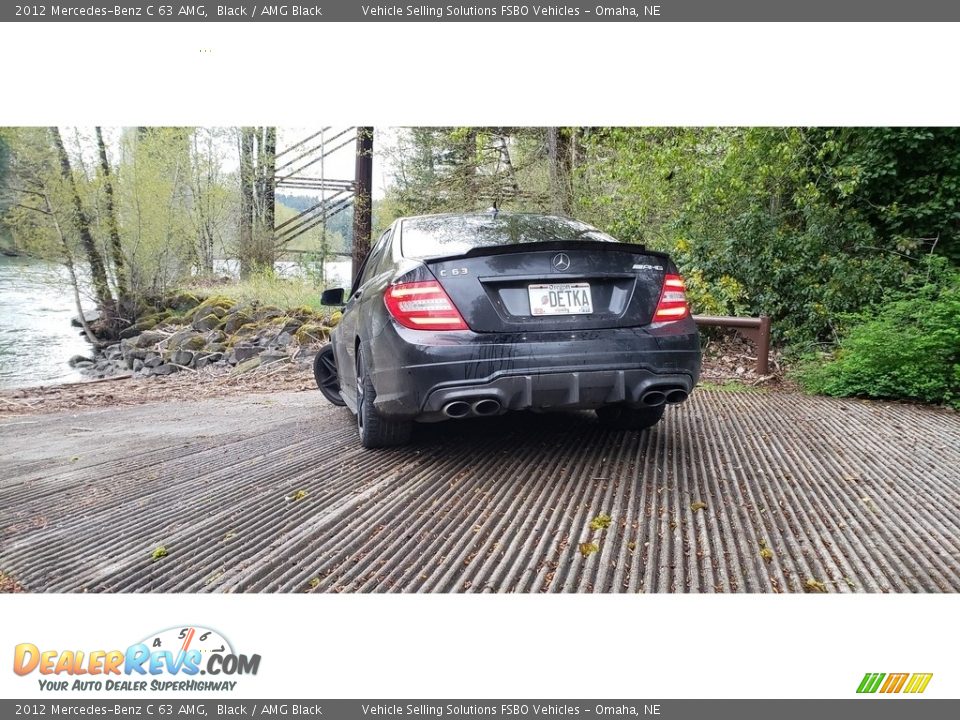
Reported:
(301, 166)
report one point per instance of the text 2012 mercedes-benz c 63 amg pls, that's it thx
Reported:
(456, 316)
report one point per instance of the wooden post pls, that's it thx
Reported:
(763, 346)
(362, 198)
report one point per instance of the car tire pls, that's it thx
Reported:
(326, 375)
(376, 431)
(620, 417)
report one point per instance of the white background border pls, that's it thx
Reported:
(531, 74)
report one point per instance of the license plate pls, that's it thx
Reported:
(560, 299)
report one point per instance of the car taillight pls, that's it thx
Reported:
(423, 306)
(673, 300)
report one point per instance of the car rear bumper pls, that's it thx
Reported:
(417, 374)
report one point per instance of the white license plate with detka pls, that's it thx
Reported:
(560, 299)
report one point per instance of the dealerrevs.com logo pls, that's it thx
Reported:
(170, 660)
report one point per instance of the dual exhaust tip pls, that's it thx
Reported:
(658, 397)
(486, 407)
(478, 408)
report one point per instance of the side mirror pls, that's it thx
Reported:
(333, 296)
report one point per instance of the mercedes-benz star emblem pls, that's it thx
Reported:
(561, 262)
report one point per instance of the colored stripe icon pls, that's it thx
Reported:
(894, 683)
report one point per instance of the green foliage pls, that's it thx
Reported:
(464, 169)
(908, 348)
(153, 197)
(800, 224)
(905, 182)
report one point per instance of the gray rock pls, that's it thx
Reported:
(283, 339)
(89, 316)
(272, 356)
(148, 338)
(236, 320)
(204, 359)
(245, 352)
(77, 359)
(207, 322)
(181, 338)
(83, 365)
(165, 369)
(215, 337)
(113, 352)
(153, 361)
(136, 365)
(183, 357)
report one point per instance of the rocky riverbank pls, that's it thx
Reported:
(190, 334)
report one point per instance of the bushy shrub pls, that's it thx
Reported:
(908, 348)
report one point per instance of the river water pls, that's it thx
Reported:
(36, 306)
(36, 338)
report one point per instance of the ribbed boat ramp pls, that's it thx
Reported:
(733, 492)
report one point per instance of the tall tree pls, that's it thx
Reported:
(247, 253)
(268, 202)
(116, 249)
(98, 273)
(362, 198)
(560, 152)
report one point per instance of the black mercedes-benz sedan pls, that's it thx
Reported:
(457, 316)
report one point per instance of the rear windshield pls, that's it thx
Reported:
(441, 236)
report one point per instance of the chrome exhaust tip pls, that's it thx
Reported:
(486, 407)
(456, 409)
(676, 396)
(654, 398)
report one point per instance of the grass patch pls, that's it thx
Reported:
(264, 289)
(601, 522)
(588, 549)
(729, 386)
(158, 554)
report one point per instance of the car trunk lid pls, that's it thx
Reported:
(549, 286)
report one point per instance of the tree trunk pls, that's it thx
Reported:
(116, 251)
(98, 273)
(247, 252)
(561, 161)
(74, 283)
(468, 169)
(268, 171)
(362, 198)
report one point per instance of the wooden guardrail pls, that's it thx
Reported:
(756, 329)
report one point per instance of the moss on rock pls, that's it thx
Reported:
(145, 323)
(181, 302)
(206, 322)
(197, 342)
(235, 320)
(267, 312)
(312, 333)
(242, 333)
(149, 337)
